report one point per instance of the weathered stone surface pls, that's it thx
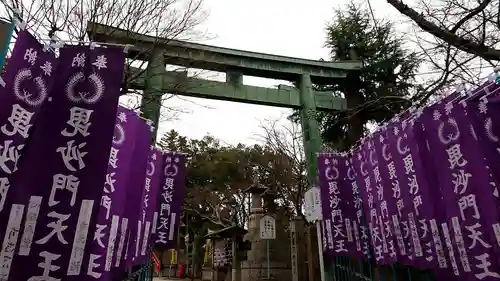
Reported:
(207, 274)
(255, 267)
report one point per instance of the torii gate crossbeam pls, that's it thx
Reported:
(235, 63)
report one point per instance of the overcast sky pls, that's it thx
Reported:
(285, 27)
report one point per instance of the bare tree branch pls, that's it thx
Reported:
(465, 42)
(68, 20)
(286, 143)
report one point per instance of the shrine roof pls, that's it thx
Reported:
(227, 232)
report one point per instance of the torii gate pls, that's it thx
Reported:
(235, 63)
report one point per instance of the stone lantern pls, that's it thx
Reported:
(254, 268)
(268, 196)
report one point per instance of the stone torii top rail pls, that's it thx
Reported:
(235, 63)
(155, 80)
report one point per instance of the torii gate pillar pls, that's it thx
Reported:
(153, 90)
(310, 128)
(235, 63)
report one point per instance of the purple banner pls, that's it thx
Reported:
(60, 180)
(28, 81)
(441, 165)
(112, 205)
(171, 200)
(364, 159)
(154, 177)
(336, 187)
(360, 229)
(424, 200)
(446, 260)
(403, 184)
(388, 191)
(485, 119)
(481, 177)
(426, 170)
(462, 176)
(326, 207)
(135, 187)
(388, 247)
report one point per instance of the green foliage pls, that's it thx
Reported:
(217, 173)
(214, 171)
(386, 80)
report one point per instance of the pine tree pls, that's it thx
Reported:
(383, 86)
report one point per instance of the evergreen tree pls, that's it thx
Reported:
(381, 88)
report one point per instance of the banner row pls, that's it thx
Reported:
(83, 194)
(422, 190)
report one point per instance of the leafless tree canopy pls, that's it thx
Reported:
(69, 18)
(460, 38)
(286, 141)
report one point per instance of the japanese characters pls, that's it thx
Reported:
(469, 222)
(28, 79)
(154, 176)
(342, 223)
(171, 196)
(421, 191)
(107, 232)
(59, 185)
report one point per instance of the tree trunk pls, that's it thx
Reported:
(354, 100)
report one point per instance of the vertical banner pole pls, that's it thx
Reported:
(320, 251)
(268, 260)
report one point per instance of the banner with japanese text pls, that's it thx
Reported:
(389, 196)
(59, 184)
(135, 187)
(151, 193)
(171, 200)
(422, 197)
(429, 178)
(326, 208)
(113, 204)
(463, 177)
(28, 81)
(341, 231)
(363, 161)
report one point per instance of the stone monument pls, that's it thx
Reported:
(254, 268)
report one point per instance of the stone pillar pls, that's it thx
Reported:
(294, 251)
(153, 90)
(255, 267)
(256, 206)
(299, 227)
(312, 145)
(310, 127)
(236, 267)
